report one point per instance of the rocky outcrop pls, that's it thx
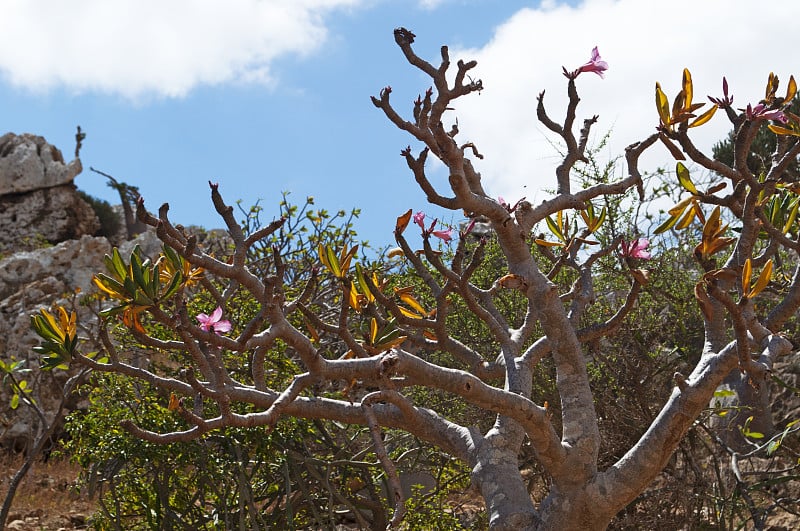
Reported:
(30, 280)
(39, 204)
(28, 163)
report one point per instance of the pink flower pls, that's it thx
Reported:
(636, 249)
(213, 322)
(419, 219)
(760, 112)
(595, 64)
(445, 235)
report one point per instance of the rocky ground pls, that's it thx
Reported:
(48, 499)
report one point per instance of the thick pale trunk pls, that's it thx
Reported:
(497, 476)
(564, 512)
(751, 399)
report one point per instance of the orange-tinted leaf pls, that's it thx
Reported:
(703, 300)
(545, 243)
(772, 88)
(791, 90)
(676, 153)
(677, 108)
(174, 402)
(716, 188)
(512, 281)
(402, 222)
(406, 296)
(312, 332)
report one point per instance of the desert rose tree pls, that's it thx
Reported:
(360, 345)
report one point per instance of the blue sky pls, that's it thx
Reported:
(271, 95)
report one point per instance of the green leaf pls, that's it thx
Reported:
(554, 228)
(14, 401)
(668, 224)
(118, 265)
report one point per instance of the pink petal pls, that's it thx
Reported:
(215, 316)
(445, 235)
(222, 326)
(419, 219)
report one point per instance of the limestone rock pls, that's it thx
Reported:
(28, 162)
(30, 280)
(46, 216)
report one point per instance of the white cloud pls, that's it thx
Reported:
(643, 42)
(430, 4)
(154, 47)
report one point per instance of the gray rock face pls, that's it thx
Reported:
(46, 216)
(30, 280)
(28, 162)
(39, 204)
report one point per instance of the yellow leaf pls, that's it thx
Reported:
(792, 216)
(680, 207)
(687, 88)
(763, 279)
(687, 219)
(778, 130)
(703, 118)
(373, 331)
(662, 105)
(712, 225)
(406, 296)
(747, 271)
(353, 296)
(346, 258)
(53, 325)
(410, 314)
(684, 178)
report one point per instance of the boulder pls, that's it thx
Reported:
(28, 163)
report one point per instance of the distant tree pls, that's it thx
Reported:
(369, 347)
